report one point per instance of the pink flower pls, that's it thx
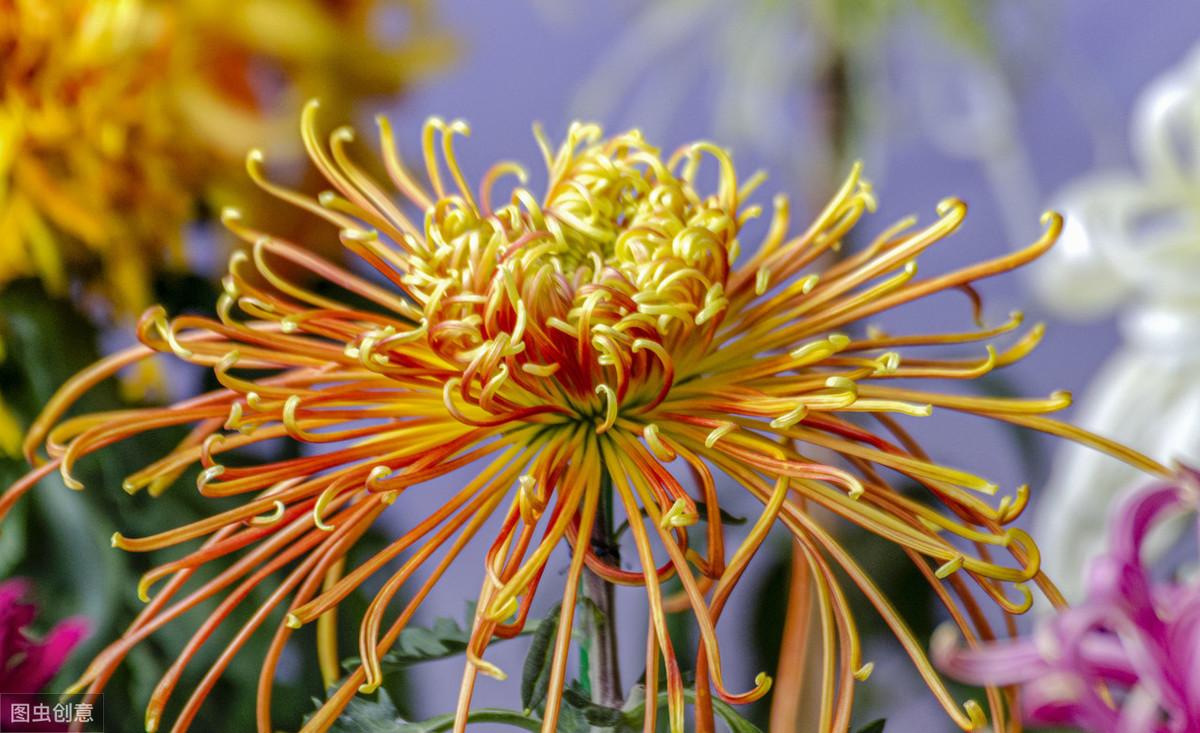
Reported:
(1126, 660)
(28, 664)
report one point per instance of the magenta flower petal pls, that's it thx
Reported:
(994, 664)
(1126, 660)
(29, 664)
(43, 660)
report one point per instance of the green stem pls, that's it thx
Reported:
(604, 672)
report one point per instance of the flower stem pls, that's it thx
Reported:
(604, 670)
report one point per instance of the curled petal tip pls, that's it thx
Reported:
(487, 668)
(679, 515)
(319, 510)
(975, 714)
(949, 204)
(762, 684)
(610, 408)
(863, 673)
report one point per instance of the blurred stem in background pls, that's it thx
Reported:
(787, 709)
(810, 86)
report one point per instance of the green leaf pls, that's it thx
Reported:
(736, 723)
(368, 716)
(446, 638)
(60, 537)
(535, 674)
(635, 712)
(595, 714)
(380, 716)
(875, 726)
(415, 644)
(13, 536)
(511, 718)
(726, 517)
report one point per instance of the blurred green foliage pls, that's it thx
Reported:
(60, 539)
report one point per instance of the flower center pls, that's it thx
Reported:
(617, 273)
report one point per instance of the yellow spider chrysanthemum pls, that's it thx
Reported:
(115, 116)
(91, 170)
(567, 345)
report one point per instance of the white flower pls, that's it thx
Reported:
(1131, 242)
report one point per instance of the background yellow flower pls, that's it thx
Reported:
(117, 116)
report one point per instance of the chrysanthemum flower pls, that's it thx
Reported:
(91, 169)
(116, 116)
(1122, 660)
(570, 346)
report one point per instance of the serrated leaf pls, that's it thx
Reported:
(417, 644)
(363, 715)
(875, 726)
(446, 638)
(535, 673)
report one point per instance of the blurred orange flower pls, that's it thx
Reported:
(116, 116)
